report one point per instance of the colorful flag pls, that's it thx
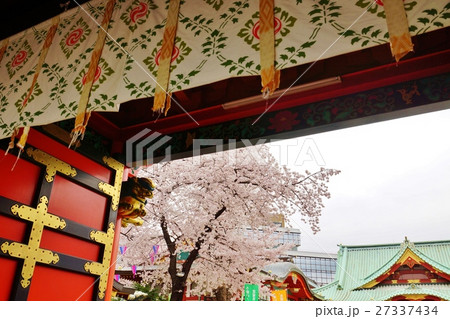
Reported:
(133, 269)
(117, 277)
(122, 249)
(153, 253)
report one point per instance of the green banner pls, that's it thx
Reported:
(251, 292)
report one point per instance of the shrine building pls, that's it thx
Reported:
(399, 272)
(287, 282)
(90, 89)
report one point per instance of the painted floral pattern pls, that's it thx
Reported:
(282, 24)
(180, 51)
(19, 59)
(75, 37)
(212, 44)
(283, 121)
(101, 73)
(137, 13)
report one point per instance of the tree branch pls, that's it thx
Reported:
(171, 247)
(198, 244)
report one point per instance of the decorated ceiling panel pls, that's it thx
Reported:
(214, 40)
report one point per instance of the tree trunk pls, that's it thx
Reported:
(178, 286)
(179, 283)
(222, 294)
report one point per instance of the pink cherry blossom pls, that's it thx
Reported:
(204, 205)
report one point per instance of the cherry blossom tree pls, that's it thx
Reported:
(216, 210)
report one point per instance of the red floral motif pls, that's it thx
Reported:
(19, 58)
(283, 121)
(98, 72)
(74, 37)
(276, 28)
(175, 54)
(138, 12)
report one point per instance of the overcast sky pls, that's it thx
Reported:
(394, 182)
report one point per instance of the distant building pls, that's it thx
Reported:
(284, 235)
(320, 267)
(289, 236)
(405, 271)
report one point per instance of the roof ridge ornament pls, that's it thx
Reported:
(407, 244)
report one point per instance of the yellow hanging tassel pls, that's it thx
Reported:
(12, 141)
(48, 41)
(398, 28)
(21, 144)
(270, 78)
(159, 101)
(23, 138)
(82, 116)
(2, 52)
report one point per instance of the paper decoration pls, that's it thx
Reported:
(214, 41)
(117, 277)
(161, 103)
(82, 115)
(122, 249)
(133, 270)
(270, 78)
(398, 28)
(153, 253)
(48, 41)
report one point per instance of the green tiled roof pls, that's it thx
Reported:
(380, 293)
(358, 265)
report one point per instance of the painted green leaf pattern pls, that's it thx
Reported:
(215, 43)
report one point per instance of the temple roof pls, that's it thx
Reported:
(358, 266)
(280, 270)
(216, 94)
(382, 293)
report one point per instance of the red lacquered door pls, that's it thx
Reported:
(58, 212)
